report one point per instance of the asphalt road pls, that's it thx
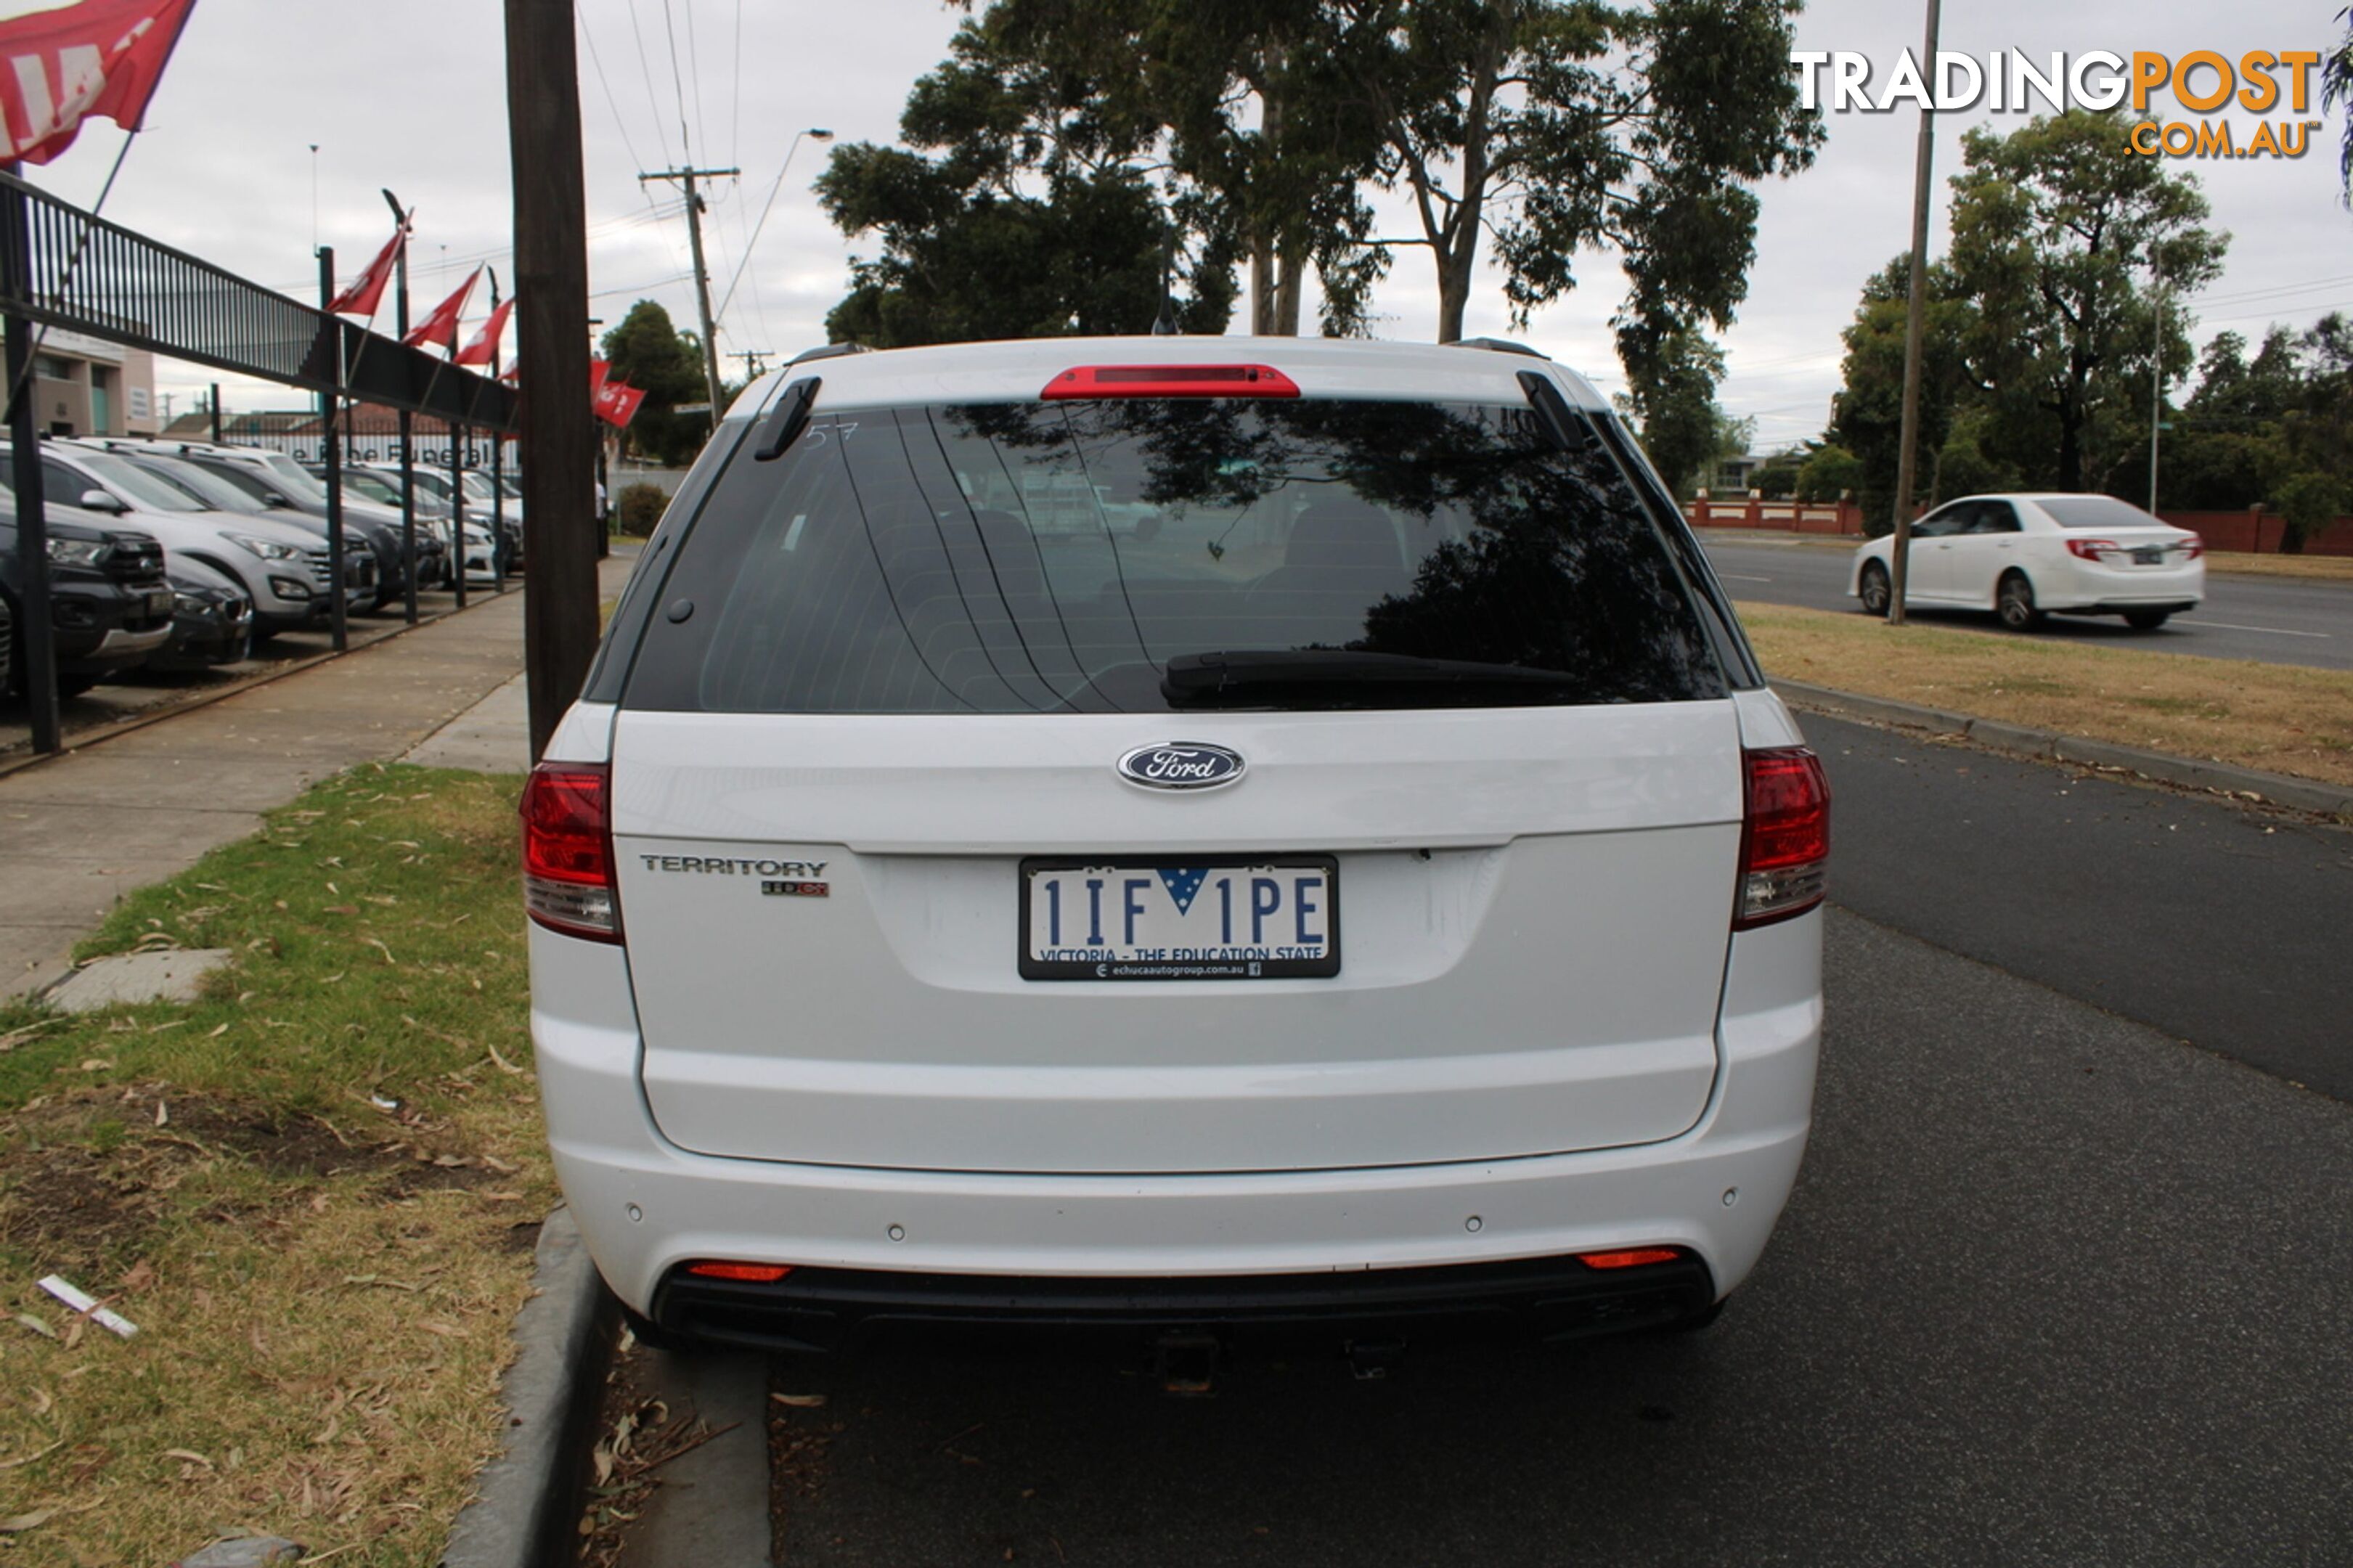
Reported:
(2218, 926)
(2066, 1280)
(2052, 1289)
(2276, 620)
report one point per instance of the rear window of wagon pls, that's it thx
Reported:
(1063, 557)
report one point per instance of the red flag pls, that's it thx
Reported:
(361, 298)
(100, 57)
(597, 371)
(441, 326)
(484, 346)
(618, 404)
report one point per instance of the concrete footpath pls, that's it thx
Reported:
(78, 832)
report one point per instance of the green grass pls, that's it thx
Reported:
(313, 1190)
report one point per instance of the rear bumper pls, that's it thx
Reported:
(1534, 1299)
(2088, 588)
(646, 1207)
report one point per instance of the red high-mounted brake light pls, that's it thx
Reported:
(567, 850)
(749, 1273)
(1785, 834)
(2091, 549)
(1099, 381)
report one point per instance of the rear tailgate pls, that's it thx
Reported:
(1533, 911)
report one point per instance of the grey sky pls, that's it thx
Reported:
(411, 96)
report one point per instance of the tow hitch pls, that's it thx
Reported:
(1185, 1363)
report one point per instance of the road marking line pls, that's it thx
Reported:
(2275, 631)
(1743, 577)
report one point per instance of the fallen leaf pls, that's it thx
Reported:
(23, 1459)
(191, 1456)
(341, 909)
(35, 1324)
(24, 1521)
(800, 1401)
(218, 1033)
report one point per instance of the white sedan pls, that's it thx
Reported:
(2022, 556)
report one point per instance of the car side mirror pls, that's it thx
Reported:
(100, 501)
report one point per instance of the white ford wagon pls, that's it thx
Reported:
(1185, 835)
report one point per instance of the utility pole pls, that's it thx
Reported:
(1914, 329)
(753, 366)
(686, 177)
(2156, 376)
(551, 231)
(217, 413)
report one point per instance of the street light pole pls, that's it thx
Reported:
(407, 421)
(1914, 330)
(815, 134)
(2156, 376)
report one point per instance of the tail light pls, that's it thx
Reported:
(1629, 1257)
(2091, 549)
(2191, 546)
(567, 850)
(1099, 381)
(1785, 837)
(747, 1273)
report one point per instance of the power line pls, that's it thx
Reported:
(670, 29)
(611, 102)
(644, 288)
(695, 71)
(735, 95)
(2275, 289)
(646, 73)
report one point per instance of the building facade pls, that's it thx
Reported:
(85, 386)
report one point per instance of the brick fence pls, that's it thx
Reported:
(2252, 531)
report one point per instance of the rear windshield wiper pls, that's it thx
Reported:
(1339, 677)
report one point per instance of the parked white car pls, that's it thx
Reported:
(283, 569)
(1383, 892)
(2024, 556)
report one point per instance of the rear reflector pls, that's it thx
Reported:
(751, 1273)
(567, 850)
(1629, 1257)
(1785, 837)
(1171, 381)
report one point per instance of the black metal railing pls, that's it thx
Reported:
(88, 275)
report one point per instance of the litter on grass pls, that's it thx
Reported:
(86, 1305)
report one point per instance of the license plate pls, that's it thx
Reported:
(159, 602)
(2148, 557)
(1225, 918)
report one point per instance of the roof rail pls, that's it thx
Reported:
(1498, 345)
(831, 350)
